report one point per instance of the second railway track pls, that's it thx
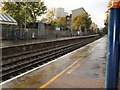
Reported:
(13, 65)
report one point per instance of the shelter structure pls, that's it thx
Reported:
(7, 26)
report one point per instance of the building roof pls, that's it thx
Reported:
(79, 9)
(7, 19)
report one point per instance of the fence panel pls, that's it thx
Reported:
(9, 33)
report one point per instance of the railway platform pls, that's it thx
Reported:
(82, 68)
(12, 43)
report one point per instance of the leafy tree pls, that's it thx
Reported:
(24, 10)
(105, 29)
(35, 9)
(62, 22)
(54, 23)
(76, 22)
(82, 21)
(106, 21)
(107, 13)
(50, 16)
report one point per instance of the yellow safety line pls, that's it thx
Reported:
(54, 78)
(72, 69)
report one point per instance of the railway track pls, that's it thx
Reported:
(16, 64)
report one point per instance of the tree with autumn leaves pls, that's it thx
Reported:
(55, 22)
(107, 13)
(105, 29)
(61, 22)
(82, 21)
(49, 17)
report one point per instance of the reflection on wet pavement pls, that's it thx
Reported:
(87, 72)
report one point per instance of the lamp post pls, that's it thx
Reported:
(25, 17)
(24, 8)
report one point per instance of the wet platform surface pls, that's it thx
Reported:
(82, 68)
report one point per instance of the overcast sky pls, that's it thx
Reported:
(96, 8)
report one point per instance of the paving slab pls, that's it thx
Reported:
(82, 68)
(88, 72)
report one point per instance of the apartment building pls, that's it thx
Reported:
(77, 12)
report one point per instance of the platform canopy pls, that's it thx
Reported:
(7, 19)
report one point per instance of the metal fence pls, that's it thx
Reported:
(21, 33)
